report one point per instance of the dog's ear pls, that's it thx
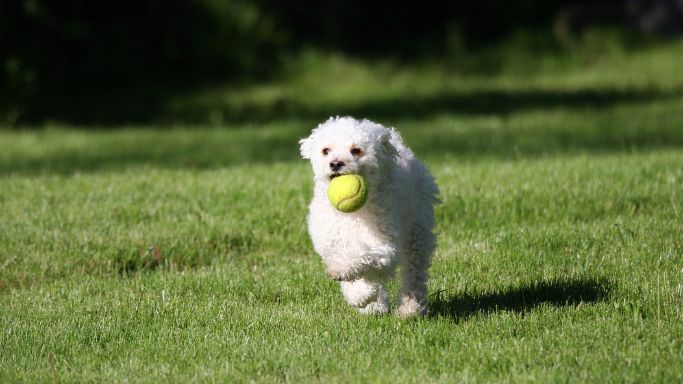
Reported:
(388, 149)
(306, 147)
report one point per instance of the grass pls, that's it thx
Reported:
(153, 252)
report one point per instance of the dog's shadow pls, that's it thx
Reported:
(520, 299)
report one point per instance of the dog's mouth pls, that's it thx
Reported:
(342, 173)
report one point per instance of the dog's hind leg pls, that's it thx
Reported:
(413, 296)
(366, 296)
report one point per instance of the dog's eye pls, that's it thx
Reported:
(326, 151)
(356, 151)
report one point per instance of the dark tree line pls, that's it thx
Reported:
(84, 44)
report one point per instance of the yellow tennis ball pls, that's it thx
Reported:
(348, 193)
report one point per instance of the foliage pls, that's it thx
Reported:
(79, 47)
(129, 52)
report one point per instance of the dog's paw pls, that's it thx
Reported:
(409, 307)
(376, 308)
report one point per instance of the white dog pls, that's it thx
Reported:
(394, 228)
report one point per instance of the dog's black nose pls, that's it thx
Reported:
(335, 165)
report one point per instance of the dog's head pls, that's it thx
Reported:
(344, 145)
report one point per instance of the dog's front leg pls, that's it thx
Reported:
(366, 296)
(377, 264)
(344, 272)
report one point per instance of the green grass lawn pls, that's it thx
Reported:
(174, 248)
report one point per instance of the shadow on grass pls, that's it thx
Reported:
(190, 149)
(498, 102)
(146, 106)
(209, 148)
(522, 299)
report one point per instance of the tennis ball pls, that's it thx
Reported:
(347, 193)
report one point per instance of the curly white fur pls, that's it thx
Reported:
(394, 228)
